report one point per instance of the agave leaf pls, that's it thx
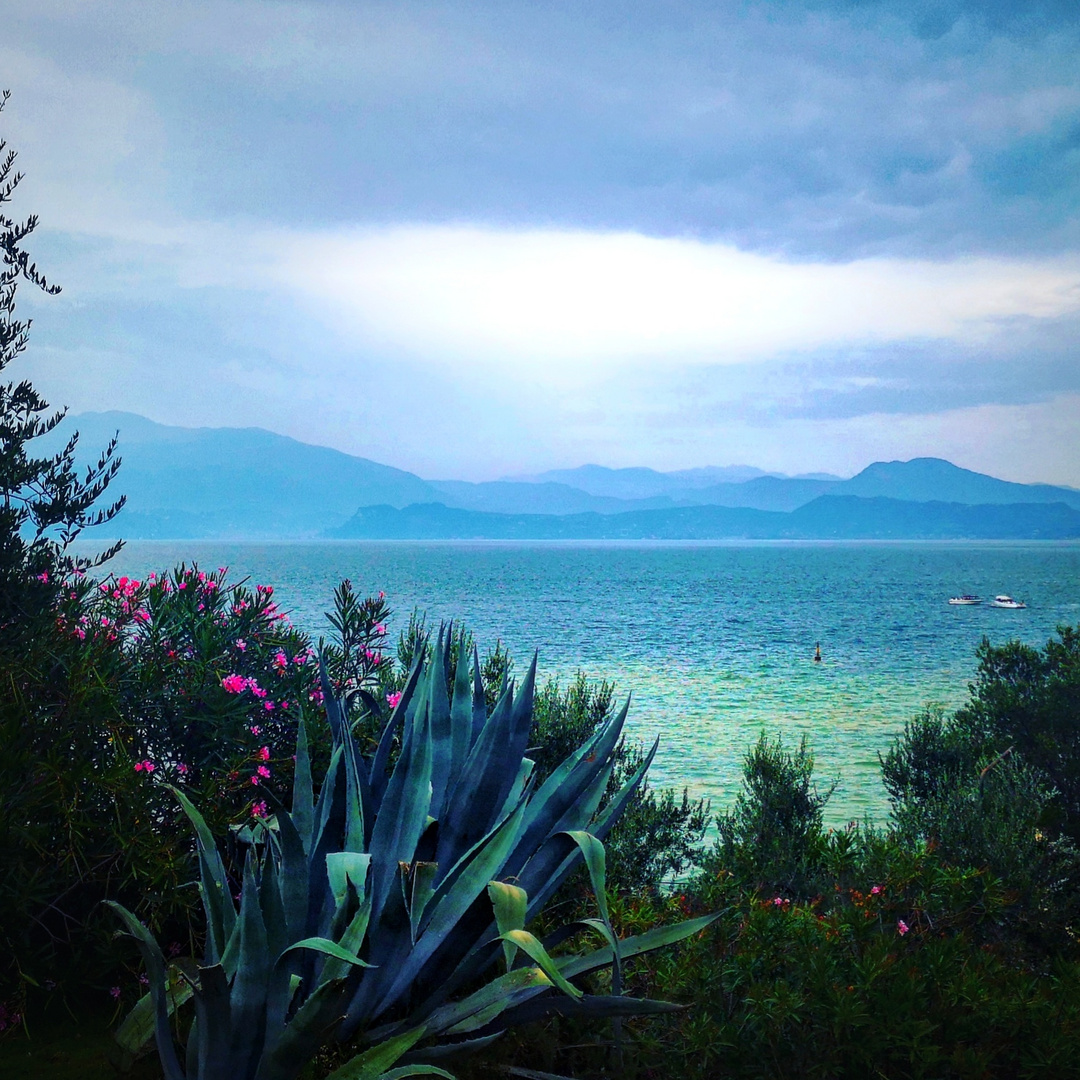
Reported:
(403, 814)
(351, 941)
(510, 904)
(329, 795)
(422, 876)
(452, 899)
(589, 1006)
(486, 1005)
(137, 1028)
(380, 763)
(273, 909)
(481, 789)
(460, 712)
(253, 966)
(327, 948)
(657, 938)
(293, 873)
(357, 793)
(303, 1035)
(213, 1022)
(595, 860)
(345, 868)
(155, 972)
(530, 945)
(614, 809)
(303, 800)
(442, 738)
(374, 1063)
(479, 715)
(334, 712)
(216, 897)
(534, 1074)
(415, 1070)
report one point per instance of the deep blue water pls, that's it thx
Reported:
(714, 641)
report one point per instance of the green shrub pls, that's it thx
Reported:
(771, 838)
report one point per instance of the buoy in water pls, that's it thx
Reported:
(817, 653)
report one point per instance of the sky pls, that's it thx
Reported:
(477, 239)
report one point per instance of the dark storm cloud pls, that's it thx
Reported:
(824, 130)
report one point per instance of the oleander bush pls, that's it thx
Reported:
(185, 679)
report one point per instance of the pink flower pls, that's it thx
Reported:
(875, 890)
(280, 660)
(263, 753)
(255, 780)
(901, 927)
(257, 690)
(151, 576)
(382, 595)
(182, 769)
(380, 628)
(234, 684)
(779, 901)
(268, 706)
(283, 704)
(182, 585)
(241, 644)
(258, 809)
(264, 772)
(114, 993)
(146, 766)
(393, 699)
(43, 576)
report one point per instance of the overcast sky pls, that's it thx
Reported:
(472, 239)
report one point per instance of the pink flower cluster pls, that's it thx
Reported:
(146, 766)
(393, 699)
(237, 684)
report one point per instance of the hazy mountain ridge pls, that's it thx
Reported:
(829, 517)
(249, 483)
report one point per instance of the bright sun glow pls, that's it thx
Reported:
(564, 298)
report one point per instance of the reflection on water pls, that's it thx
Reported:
(714, 641)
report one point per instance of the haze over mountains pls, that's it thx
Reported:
(248, 483)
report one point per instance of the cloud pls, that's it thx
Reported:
(562, 302)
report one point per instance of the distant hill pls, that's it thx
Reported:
(918, 480)
(826, 518)
(248, 483)
(641, 483)
(190, 483)
(922, 479)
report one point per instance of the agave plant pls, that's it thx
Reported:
(365, 914)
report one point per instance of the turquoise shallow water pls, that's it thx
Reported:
(714, 641)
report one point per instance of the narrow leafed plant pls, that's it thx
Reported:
(369, 916)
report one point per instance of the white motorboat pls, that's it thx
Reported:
(1007, 602)
(965, 601)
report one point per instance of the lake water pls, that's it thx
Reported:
(714, 641)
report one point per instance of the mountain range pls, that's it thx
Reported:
(249, 483)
